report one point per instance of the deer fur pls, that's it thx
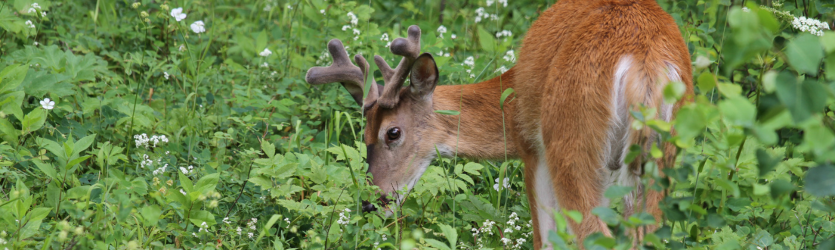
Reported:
(583, 66)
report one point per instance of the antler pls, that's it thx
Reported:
(394, 78)
(342, 71)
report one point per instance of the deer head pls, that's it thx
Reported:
(398, 121)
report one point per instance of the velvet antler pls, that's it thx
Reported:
(394, 79)
(341, 70)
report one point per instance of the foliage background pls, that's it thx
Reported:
(253, 157)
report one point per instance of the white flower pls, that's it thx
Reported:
(30, 24)
(36, 6)
(250, 235)
(354, 19)
(182, 47)
(36, 43)
(322, 11)
(490, 3)
(47, 104)
(183, 192)
(184, 170)
(811, 25)
(470, 61)
(746, 9)
(441, 31)
(504, 33)
(178, 14)
(239, 230)
(510, 56)
(265, 65)
(503, 2)
(356, 32)
(506, 180)
(226, 220)
(346, 27)
(343, 219)
(453, 36)
(165, 74)
(266, 52)
(198, 27)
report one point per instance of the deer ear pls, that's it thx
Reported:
(424, 76)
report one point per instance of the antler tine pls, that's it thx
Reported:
(341, 70)
(372, 90)
(409, 48)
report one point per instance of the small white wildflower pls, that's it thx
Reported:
(182, 47)
(265, 65)
(470, 61)
(178, 14)
(250, 235)
(36, 43)
(746, 9)
(238, 230)
(30, 24)
(184, 170)
(384, 237)
(453, 36)
(265, 53)
(510, 56)
(43, 13)
(165, 74)
(504, 33)
(289, 7)
(345, 27)
(356, 31)
(322, 11)
(354, 19)
(441, 31)
(47, 104)
(503, 3)
(183, 192)
(506, 180)
(198, 27)
(811, 25)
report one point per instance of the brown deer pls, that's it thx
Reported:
(584, 65)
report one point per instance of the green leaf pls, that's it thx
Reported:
(727, 185)
(505, 94)
(805, 53)
(607, 215)
(673, 91)
(706, 82)
(34, 120)
(76, 161)
(207, 183)
(828, 41)
(766, 163)
(436, 244)
(485, 39)
(185, 182)
(12, 76)
(8, 132)
(261, 41)
(151, 214)
(448, 112)
(820, 181)
(450, 233)
(268, 147)
(83, 143)
(616, 191)
(575, 215)
(803, 99)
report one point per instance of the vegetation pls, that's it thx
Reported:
(187, 124)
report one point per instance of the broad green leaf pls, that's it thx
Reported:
(485, 39)
(804, 53)
(820, 181)
(207, 183)
(766, 163)
(706, 82)
(151, 215)
(436, 244)
(673, 91)
(34, 120)
(738, 111)
(607, 215)
(450, 234)
(12, 76)
(616, 191)
(801, 98)
(83, 143)
(185, 182)
(727, 185)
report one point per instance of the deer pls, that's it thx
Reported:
(584, 65)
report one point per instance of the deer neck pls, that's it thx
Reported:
(483, 129)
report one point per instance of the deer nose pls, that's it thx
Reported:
(368, 207)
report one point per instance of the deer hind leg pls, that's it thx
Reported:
(541, 197)
(637, 84)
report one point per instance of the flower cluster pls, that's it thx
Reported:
(510, 56)
(30, 24)
(810, 25)
(385, 38)
(469, 63)
(251, 225)
(343, 219)
(143, 140)
(188, 170)
(441, 31)
(504, 33)
(512, 229)
(146, 161)
(353, 26)
(265, 53)
(482, 14)
(502, 2)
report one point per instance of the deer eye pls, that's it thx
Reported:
(392, 134)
